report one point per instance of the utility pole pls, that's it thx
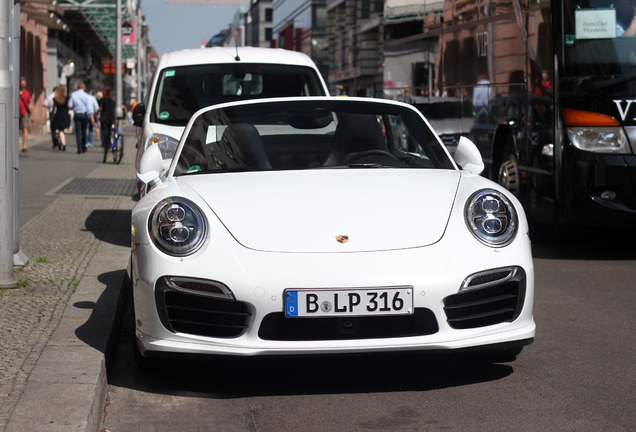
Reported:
(118, 77)
(19, 258)
(7, 149)
(140, 55)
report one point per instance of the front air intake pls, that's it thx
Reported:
(201, 314)
(487, 298)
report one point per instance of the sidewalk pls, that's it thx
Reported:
(57, 323)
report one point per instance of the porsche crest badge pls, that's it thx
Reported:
(342, 238)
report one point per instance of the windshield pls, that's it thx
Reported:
(182, 91)
(600, 37)
(311, 134)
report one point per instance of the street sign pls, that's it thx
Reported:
(128, 32)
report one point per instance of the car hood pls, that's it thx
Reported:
(348, 210)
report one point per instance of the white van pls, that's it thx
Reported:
(188, 80)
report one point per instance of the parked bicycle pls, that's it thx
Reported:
(116, 144)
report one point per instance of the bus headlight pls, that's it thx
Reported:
(595, 132)
(599, 139)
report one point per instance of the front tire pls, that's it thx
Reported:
(508, 175)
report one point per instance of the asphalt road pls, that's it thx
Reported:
(579, 374)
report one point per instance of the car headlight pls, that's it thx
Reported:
(177, 226)
(491, 218)
(167, 144)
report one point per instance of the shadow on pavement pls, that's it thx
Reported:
(225, 378)
(110, 226)
(597, 243)
(103, 322)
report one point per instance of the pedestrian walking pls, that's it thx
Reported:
(107, 116)
(124, 115)
(82, 107)
(91, 124)
(25, 113)
(98, 129)
(61, 118)
(50, 109)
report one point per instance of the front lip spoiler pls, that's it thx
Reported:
(459, 352)
(151, 347)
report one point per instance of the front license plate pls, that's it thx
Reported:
(350, 302)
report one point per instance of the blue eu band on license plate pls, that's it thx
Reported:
(350, 302)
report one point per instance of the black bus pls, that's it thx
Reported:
(552, 90)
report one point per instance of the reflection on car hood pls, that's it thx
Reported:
(292, 211)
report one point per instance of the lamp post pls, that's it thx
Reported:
(8, 146)
(19, 257)
(118, 60)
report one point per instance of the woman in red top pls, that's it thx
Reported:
(25, 113)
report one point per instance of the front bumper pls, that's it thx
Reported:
(258, 281)
(598, 189)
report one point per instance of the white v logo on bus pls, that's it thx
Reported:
(619, 105)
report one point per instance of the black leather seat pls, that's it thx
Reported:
(355, 133)
(243, 147)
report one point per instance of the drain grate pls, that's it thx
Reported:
(99, 186)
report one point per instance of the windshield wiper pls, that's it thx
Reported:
(612, 82)
(222, 171)
(353, 165)
(368, 165)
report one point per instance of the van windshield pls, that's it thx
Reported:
(181, 91)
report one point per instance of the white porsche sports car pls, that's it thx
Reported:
(322, 225)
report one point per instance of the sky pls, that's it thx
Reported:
(173, 27)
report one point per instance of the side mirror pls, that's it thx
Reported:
(138, 114)
(150, 165)
(467, 156)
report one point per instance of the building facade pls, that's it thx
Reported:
(301, 25)
(258, 29)
(355, 47)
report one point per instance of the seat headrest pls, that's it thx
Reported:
(355, 133)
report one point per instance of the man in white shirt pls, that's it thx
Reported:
(82, 106)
